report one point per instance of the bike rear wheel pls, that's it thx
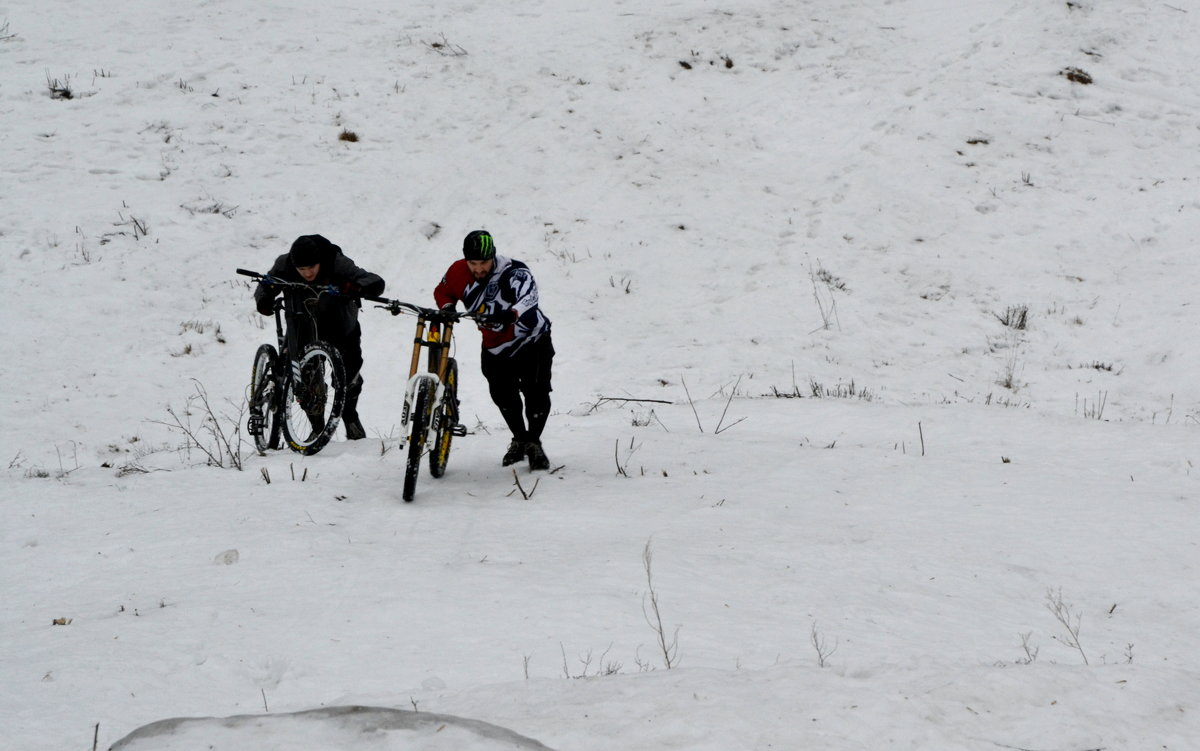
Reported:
(313, 396)
(263, 422)
(422, 412)
(439, 453)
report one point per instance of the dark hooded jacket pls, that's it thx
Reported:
(335, 315)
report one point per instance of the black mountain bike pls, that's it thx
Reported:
(297, 394)
(430, 416)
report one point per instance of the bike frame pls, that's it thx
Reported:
(435, 336)
(286, 369)
(291, 365)
(435, 333)
(430, 416)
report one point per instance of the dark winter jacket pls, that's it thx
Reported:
(334, 314)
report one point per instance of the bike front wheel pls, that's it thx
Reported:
(263, 422)
(422, 413)
(439, 452)
(313, 396)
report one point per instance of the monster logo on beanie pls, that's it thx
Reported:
(479, 246)
(309, 250)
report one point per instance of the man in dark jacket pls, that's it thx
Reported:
(332, 318)
(517, 351)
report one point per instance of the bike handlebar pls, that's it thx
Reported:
(396, 307)
(273, 281)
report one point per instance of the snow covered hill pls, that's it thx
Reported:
(959, 237)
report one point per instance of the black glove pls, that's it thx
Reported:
(499, 318)
(266, 305)
(447, 312)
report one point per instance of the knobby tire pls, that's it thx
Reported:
(264, 402)
(422, 412)
(324, 365)
(439, 453)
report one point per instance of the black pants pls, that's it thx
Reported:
(523, 374)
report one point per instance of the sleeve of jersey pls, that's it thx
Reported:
(524, 292)
(451, 287)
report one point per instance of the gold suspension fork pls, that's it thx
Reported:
(444, 358)
(418, 341)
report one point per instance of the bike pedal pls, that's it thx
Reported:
(458, 430)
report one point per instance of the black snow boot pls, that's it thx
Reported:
(515, 453)
(317, 421)
(354, 427)
(537, 457)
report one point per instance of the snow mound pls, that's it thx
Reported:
(376, 728)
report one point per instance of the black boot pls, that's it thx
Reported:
(317, 421)
(515, 453)
(537, 457)
(354, 427)
(311, 395)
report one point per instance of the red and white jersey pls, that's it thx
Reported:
(510, 286)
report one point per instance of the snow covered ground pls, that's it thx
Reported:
(779, 241)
